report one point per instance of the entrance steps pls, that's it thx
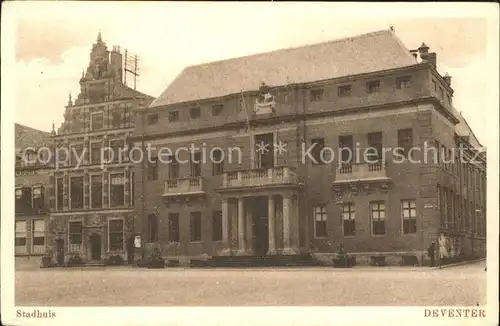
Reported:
(255, 261)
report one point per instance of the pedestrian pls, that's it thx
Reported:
(431, 251)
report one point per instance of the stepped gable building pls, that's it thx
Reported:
(280, 197)
(92, 200)
(32, 179)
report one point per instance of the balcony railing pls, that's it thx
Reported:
(360, 172)
(259, 177)
(38, 250)
(183, 186)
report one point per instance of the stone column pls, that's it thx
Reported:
(287, 201)
(241, 226)
(272, 242)
(225, 228)
(249, 226)
(65, 191)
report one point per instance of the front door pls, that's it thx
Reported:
(60, 251)
(95, 247)
(260, 228)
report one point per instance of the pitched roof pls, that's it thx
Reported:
(29, 137)
(365, 53)
(463, 129)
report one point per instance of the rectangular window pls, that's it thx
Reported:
(38, 195)
(409, 216)
(117, 148)
(344, 91)
(116, 235)
(20, 240)
(218, 162)
(346, 145)
(60, 194)
(152, 119)
(441, 93)
(153, 227)
(153, 169)
(173, 227)
(403, 82)
(196, 164)
(373, 87)
(117, 119)
(76, 192)
(320, 230)
(319, 144)
(194, 113)
(316, 95)
(76, 154)
(173, 168)
(405, 141)
(348, 218)
(375, 145)
(378, 218)
(117, 190)
(96, 122)
(95, 153)
(173, 116)
(448, 97)
(96, 191)
(38, 234)
(217, 109)
(195, 226)
(434, 86)
(75, 236)
(132, 186)
(216, 225)
(24, 200)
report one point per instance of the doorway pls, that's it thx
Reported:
(260, 228)
(265, 158)
(60, 251)
(130, 250)
(95, 247)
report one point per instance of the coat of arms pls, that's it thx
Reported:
(264, 104)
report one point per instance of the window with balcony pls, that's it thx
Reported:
(96, 191)
(95, 153)
(60, 193)
(194, 113)
(96, 121)
(378, 218)
(38, 235)
(373, 87)
(405, 142)
(344, 91)
(173, 168)
(217, 109)
(374, 154)
(75, 236)
(115, 235)
(217, 226)
(196, 164)
(173, 116)
(195, 226)
(320, 216)
(409, 216)
(403, 82)
(173, 227)
(153, 169)
(348, 218)
(20, 239)
(316, 95)
(153, 227)
(153, 119)
(346, 147)
(117, 190)
(218, 162)
(76, 192)
(319, 144)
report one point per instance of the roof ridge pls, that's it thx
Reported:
(31, 128)
(379, 32)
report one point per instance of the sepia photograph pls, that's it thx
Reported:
(258, 155)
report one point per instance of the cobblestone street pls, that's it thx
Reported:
(461, 285)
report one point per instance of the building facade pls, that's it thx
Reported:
(92, 180)
(31, 198)
(282, 197)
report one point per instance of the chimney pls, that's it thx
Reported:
(447, 79)
(431, 58)
(117, 62)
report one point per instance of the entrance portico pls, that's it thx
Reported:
(261, 219)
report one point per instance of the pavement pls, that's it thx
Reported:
(371, 286)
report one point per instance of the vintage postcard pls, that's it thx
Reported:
(249, 163)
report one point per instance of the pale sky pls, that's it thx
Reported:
(52, 52)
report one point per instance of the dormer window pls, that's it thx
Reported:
(344, 91)
(373, 87)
